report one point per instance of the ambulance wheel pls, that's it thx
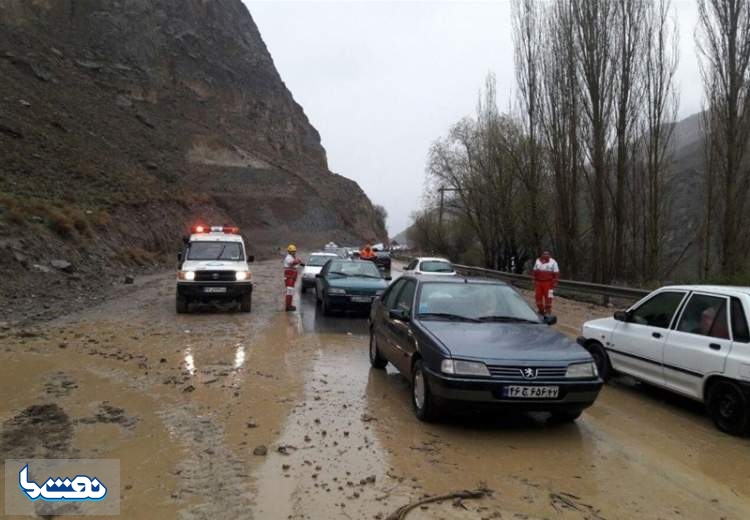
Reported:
(246, 303)
(181, 304)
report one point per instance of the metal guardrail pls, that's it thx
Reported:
(564, 287)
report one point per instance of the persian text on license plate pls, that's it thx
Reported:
(361, 299)
(214, 289)
(531, 392)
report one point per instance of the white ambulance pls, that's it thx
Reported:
(213, 266)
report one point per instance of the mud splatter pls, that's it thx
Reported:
(40, 431)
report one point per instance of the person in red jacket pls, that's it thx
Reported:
(546, 276)
(290, 275)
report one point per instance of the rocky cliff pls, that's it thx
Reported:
(123, 121)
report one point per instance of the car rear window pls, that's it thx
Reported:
(436, 266)
(318, 260)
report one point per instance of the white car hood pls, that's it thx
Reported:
(311, 270)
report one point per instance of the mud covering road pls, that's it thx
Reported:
(277, 415)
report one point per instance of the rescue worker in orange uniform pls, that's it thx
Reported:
(546, 276)
(290, 275)
(366, 253)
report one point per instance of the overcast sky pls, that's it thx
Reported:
(382, 80)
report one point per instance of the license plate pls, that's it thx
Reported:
(214, 289)
(361, 299)
(531, 392)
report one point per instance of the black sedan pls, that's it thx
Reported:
(478, 342)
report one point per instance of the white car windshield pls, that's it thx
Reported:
(230, 251)
(475, 301)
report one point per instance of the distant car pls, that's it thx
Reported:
(348, 285)
(314, 264)
(478, 342)
(432, 266)
(690, 339)
(382, 260)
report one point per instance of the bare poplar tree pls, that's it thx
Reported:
(594, 20)
(660, 103)
(559, 110)
(723, 39)
(527, 40)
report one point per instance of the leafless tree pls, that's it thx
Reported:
(659, 105)
(559, 110)
(593, 21)
(723, 39)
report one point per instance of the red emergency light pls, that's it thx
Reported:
(200, 228)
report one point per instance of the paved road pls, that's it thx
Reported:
(184, 401)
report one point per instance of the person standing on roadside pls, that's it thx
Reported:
(290, 275)
(546, 275)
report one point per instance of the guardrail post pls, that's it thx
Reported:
(605, 300)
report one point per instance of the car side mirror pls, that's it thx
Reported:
(251, 259)
(398, 314)
(388, 278)
(549, 319)
(622, 316)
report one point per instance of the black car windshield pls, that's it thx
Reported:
(476, 301)
(318, 260)
(362, 269)
(231, 251)
(436, 266)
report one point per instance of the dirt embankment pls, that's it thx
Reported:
(122, 123)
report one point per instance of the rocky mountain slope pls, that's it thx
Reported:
(122, 122)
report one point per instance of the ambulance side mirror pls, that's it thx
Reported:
(251, 259)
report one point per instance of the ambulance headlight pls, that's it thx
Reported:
(187, 275)
(242, 275)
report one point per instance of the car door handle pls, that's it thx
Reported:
(657, 335)
(715, 346)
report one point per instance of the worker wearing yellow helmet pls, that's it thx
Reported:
(291, 262)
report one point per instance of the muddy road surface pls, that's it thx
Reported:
(274, 415)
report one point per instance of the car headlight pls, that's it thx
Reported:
(335, 290)
(464, 368)
(242, 275)
(186, 275)
(581, 370)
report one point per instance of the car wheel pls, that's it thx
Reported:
(564, 416)
(601, 359)
(246, 304)
(181, 304)
(376, 359)
(728, 406)
(426, 407)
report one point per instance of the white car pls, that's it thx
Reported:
(314, 264)
(213, 265)
(431, 266)
(690, 339)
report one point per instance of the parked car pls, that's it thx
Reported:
(432, 266)
(690, 339)
(382, 260)
(478, 342)
(348, 285)
(314, 264)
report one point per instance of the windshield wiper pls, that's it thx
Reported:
(512, 319)
(338, 272)
(218, 257)
(448, 316)
(366, 276)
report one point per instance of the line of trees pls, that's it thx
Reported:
(581, 164)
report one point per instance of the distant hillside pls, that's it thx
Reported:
(122, 122)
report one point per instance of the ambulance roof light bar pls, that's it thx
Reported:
(200, 229)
